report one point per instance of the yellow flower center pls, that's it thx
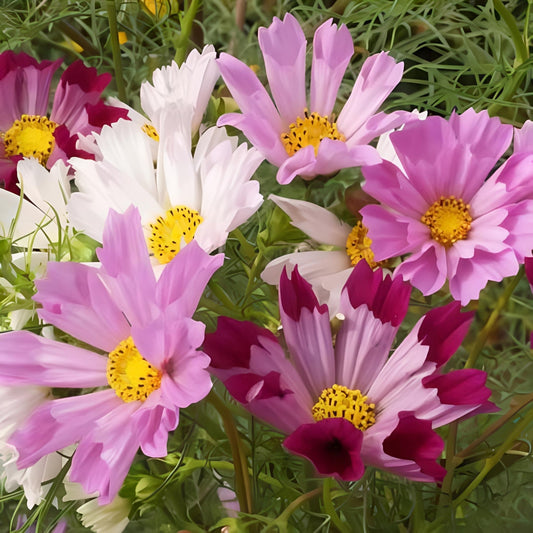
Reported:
(151, 132)
(31, 136)
(309, 130)
(130, 374)
(358, 246)
(167, 232)
(340, 402)
(448, 219)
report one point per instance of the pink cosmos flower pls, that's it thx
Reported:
(26, 129)
(347, 404)
(302, 137)
(150, 368)
(454, 223)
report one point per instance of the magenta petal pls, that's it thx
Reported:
(443, 330)
(184, 279)
(26, 358)
(333, 445)
(332, 50)
(248, 387)
(230, 345)
(296, 294)
(460, 387)
(283, 45)
(414, 440)
(75, 300)
(59, 423)
(126, 263)
(387, 299)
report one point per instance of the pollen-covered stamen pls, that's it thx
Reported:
(31, 136)
(130, 374)
(151, 132)
(167, 231)
(358, 246)
(340, 402)
(448, 219)
(310, 130)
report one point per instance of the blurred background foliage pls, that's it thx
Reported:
(457, 54)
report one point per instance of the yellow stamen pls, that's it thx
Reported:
(448, 219)
(358, 246)
(309, 130)
(31, 136)
(130, 374)
(178, 223)
(151, 132)
(340, 402)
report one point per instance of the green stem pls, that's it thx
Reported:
(242, 478)
(521, 51)
(495, 459)
(253, 274)
(181, 43)
(115, 48)
(281, 521)
(446, 490)
(330, 508)
(487, 328)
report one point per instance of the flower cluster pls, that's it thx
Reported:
(146, 215)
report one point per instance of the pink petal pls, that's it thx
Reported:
(519, 224)
(379, 75)
(333, 445)
(184, 279)
(307, 332)
(283, 45)
(126, 264)
(378, 124)
(75, 300)
(473, 274)
(332, 50)
(152, 428)
(426, 270)
(60, 423)
(523, 138)
(26, 358)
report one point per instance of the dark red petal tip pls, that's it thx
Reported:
(333, 445)
(387, 299)
(414, 440)
(229, 346)
(443, 330)
(295, 293)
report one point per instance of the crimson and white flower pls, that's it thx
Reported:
(347, 404)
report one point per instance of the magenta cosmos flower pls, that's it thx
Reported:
(26, 128)
(454, 223)
(347, 404)
(145, 365)
(302, 137)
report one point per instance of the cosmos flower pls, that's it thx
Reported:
(303, 137)
(348, 404)
(452, 219)
(326, 270)
(151, 367)
(27, 126)
(200, 197)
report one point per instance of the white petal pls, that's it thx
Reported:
(315, 221)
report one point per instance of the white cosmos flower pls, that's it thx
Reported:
(109, 518)
(326, 270)
(34, 224)
(17, 404)
(202, 196)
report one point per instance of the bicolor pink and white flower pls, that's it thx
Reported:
(453, 221)
(201, 196)
(151, 367)
(298, 135)
(327, 270)
(348, 404)
(27, 126)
